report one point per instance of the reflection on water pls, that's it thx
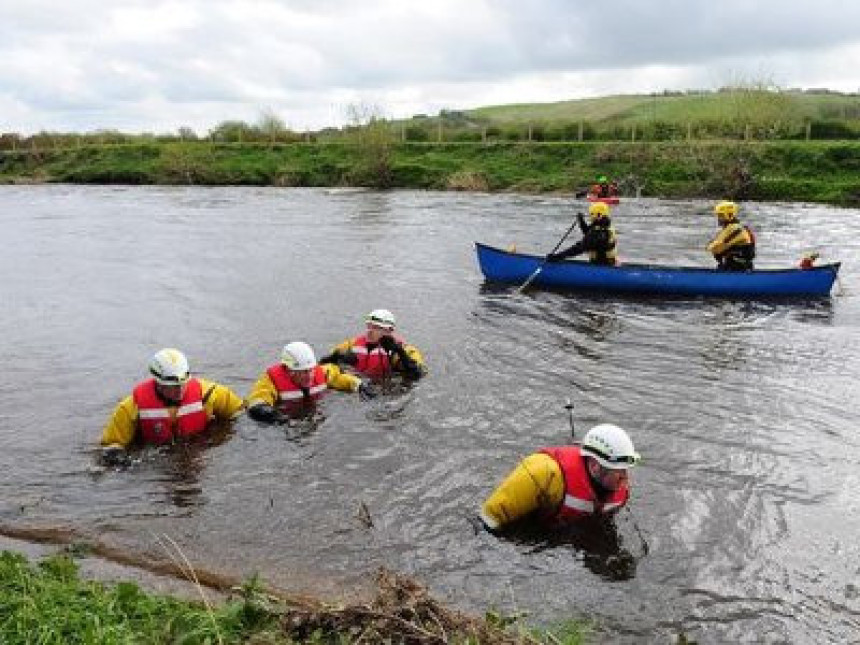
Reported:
(745, 413)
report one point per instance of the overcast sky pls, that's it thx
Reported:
(138, 66)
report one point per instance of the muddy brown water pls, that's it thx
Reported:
(744, 519)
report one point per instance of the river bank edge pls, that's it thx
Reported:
(77, 592)
(825, 172)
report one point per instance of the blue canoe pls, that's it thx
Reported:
(498, 265)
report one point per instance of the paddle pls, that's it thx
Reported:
(569, 407)
(537, 271)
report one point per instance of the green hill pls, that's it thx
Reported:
(694, 106)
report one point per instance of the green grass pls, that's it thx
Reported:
(818, 171)
(47, 603)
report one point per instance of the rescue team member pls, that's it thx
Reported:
(734, 246)
(379, 352)
(566, 483)
(168, 407)
(598, 238)
(293, 386)
(603, 188)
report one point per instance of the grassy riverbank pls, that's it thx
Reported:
(48, 603)
(820, 171)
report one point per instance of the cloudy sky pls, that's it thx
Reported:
(154, 66)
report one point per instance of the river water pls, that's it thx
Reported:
(744, 521)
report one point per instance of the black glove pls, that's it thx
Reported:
(265, 413)
(115, 456)
(365, 392)
(334, 358)
(388, 344)
(554, 257)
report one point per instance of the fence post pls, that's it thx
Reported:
(484, 134)
(580, 131)
(530, 132)
(747, 132)
(439, 131)
(633, 133)
(808, 130)
(689, 131)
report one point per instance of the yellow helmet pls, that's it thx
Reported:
(726, 212)
(597, 211)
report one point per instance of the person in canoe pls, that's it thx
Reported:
(734, 245)
(566, 483)
(293, 386)
(378, 352)
(169, 407)
(598, 238)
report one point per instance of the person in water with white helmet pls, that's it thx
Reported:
(293, 386)
(566, 483)
(170, 406)
(379, 352)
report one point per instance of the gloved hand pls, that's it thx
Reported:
(267, 414)
(365, 391)
(334, 357)
(554, 257)
(115, 455)
(388, 344)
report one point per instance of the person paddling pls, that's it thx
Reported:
(598, 238)
(734, 245)
(566, 483)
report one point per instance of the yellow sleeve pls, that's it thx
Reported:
(222, 403)
(728, 237)
(415, 355)
(264, 391)
(338, 380)
(343, 347)
(122, 425)
(536, 483)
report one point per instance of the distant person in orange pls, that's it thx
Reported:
(603, 188)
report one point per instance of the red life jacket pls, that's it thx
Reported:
(374, 363)
(580, 499)
(291, 398)
(155, 423)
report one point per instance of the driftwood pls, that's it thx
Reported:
(402, 612)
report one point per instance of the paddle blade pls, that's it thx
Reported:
(530, 279)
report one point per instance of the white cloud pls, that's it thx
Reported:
(144, 66)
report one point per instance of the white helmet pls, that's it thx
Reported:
(610, 446)
(381, 318)
(298, 356)
(169, 367)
